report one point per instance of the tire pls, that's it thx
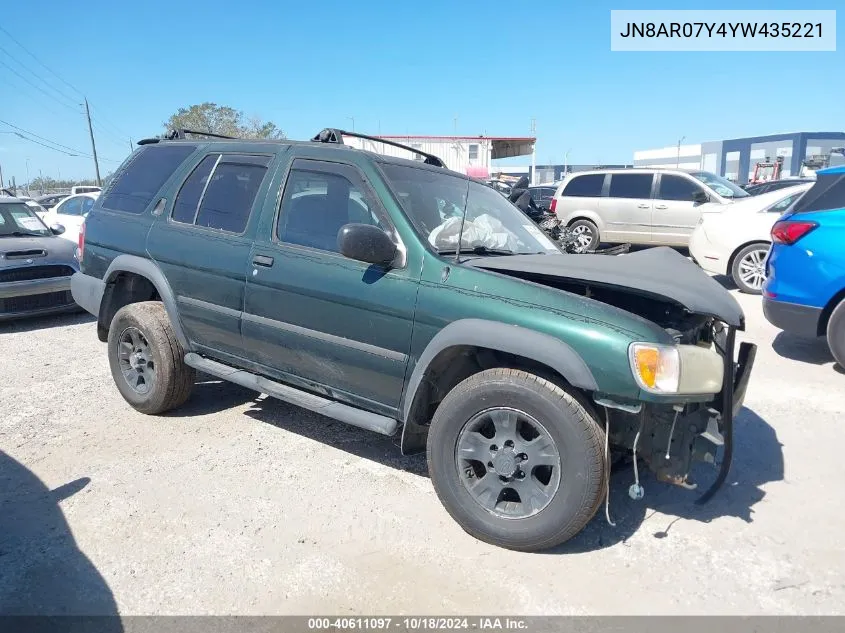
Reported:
(747, 269)
(836, 333)
(577, 438)
(586, 227)
(164, 381)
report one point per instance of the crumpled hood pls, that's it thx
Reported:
(658, 272)
(58, 251)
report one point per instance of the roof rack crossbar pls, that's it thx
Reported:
(334, 135)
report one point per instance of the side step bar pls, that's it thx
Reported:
(318, 404)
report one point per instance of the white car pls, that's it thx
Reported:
(734, 239)
(71, 213)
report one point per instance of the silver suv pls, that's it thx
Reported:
(639, 205)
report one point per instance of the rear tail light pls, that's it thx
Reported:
(80, 246)
(788, 232)
(553, 206)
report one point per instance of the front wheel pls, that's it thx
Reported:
(516, 460)
(749, 268)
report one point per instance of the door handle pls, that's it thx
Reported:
(643, 206)
(661, 206)
(262, 260)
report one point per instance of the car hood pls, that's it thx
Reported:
(657, 272)
(18, 251)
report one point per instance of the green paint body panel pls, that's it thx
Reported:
(336, 326)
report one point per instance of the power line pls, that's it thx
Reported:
(37, 87)
(37, 76)
(31, 54)
(20, 129)
(75, 151)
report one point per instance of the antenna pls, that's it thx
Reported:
(463, 221)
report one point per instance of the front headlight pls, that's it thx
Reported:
(656, 368)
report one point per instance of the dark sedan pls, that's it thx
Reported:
(35, 264)
(774, 185)
(51, 200)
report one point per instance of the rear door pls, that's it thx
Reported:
(675, 213)
(202, 242)
(627, 209)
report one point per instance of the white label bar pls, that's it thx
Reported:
(706, 30)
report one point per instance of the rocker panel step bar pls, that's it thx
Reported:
(317, 404)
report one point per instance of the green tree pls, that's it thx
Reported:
(216, 119)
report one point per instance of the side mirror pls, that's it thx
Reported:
(699, 197)
(366, 243)
(57, 229)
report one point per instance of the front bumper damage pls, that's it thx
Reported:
(670, 437)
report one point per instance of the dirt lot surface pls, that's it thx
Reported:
(242, 504)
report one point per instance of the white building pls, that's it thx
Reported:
(470, 155)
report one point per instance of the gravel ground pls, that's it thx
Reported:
(242, 504)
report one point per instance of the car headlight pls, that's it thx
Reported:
(656, 368)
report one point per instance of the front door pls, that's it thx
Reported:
(626, 210)
(675, 212)
(323, 321)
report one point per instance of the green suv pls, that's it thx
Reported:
(401, 297)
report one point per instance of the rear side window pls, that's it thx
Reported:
(587, 186)
(636, 186)
(230, 194)
(828, 193)
(141, 177)
(188, 199)
(677, 188)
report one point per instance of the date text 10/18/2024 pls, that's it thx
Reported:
(418, 623)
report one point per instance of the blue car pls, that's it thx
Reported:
(804, 292)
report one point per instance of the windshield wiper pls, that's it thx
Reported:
(478, 250)
(22, 234)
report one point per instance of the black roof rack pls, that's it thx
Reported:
(333, 135)
(181, 134)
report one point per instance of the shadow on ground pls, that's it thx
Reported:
(46, 322)
(805, 350)
(212, 395)
(42, 571)
(758, 460)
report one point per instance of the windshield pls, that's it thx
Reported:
(434, 202)
(721, 186)
(17, 219)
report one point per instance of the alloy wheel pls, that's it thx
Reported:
(135, 357)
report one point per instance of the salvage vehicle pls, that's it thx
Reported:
(345, 282)
(35, 264)
(804, 291)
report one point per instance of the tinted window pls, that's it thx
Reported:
(677, 188)
(230, 195)
(188, 198)
(780, 207)
(630, 185)
(87, 203)
(588, 186)
(827, 193)
(142, 176)
(316, 204)
(71, 206)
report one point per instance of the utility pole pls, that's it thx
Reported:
(1, 176)
(534, 152)
(93, 145)
(41, 182)
(678, 162)
(27, 178)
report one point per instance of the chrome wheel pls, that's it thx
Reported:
(584, 237)
(752, 270)
(135, 358)
(508, 462)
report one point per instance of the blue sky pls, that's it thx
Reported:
(397, 67)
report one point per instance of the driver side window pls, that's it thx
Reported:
(318, 200)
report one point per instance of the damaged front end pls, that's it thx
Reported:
(669, 437)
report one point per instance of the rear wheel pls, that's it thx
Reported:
(516, 460)
(587, 234)
(836, 333)
(146, 359)
(749, 269)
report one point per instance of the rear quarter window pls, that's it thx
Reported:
(827, 194)
(587, 186)
(142, 176)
